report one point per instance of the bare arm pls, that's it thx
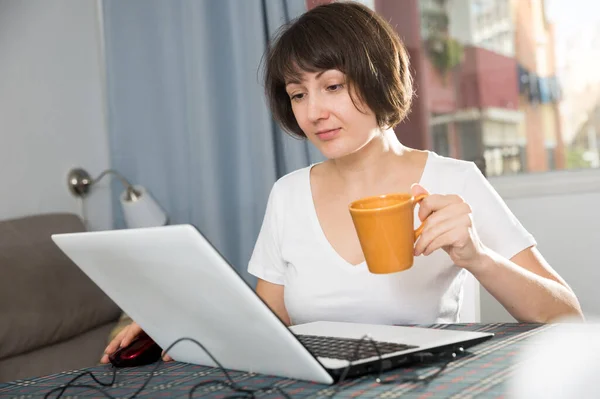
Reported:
(272, 294)
(527, 286)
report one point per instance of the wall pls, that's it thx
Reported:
(534, 43)
(561, 210)
(404, 16)
(441, 90)
(461, 21)
(488, 79)
(51, 107)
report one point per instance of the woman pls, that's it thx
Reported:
(339, 77)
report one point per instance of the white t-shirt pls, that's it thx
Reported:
(292, 250)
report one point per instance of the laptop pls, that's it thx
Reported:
(175, 284)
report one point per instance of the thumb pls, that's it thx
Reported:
(417, 189)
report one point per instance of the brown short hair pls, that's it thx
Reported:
(349, 37)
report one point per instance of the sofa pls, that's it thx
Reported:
(52, 316)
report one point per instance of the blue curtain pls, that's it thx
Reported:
(187, 113)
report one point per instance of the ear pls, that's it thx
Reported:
(417, 189)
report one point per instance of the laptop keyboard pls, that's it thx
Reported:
(345, 348)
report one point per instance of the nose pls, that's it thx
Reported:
(317, 108)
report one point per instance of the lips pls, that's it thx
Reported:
(329, 134)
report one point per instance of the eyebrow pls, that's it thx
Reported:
(295, 80)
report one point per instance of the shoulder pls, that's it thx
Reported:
(450, 166)
(293, 181)
(448, 175)
(292, 187)
(452, 176)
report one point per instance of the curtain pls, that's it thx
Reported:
(187, 113)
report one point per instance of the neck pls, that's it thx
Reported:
(368, 165)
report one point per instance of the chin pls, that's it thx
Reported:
(335, 149)
(330, 153)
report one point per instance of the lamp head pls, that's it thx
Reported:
(79, 182)
(132, 194)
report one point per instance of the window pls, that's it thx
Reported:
(544, 92)
(440, 139)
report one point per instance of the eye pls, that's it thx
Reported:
(336, 87)
(297, 97)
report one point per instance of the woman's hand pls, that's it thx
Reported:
(448, 225)
(124, 338)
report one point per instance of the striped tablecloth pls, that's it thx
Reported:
(482, 374)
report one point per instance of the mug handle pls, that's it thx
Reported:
(415, 201)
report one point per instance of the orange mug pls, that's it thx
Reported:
(384, 225)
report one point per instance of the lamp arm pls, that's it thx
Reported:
(131, 194)
(124, 181)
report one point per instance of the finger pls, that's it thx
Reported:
(447, 239)
(416, 189)
(166, 357)
(436, 202)
(449, 212)
(433, 232)
(116, 342)
(131, 334)
(104, 359)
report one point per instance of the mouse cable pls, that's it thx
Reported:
(250, 393)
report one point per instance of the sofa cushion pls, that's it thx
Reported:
(44, 297)
(79, 352)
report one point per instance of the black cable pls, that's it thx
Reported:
(451, 356)
(404, 380)
(70, 384)
(230, 383)
(247, 393)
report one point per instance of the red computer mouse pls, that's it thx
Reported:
(141, 351)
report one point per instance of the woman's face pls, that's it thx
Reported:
(325, 112)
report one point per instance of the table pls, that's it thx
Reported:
(482, 374)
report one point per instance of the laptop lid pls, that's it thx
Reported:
(175, 284)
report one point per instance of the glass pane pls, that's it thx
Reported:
(516, 82)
